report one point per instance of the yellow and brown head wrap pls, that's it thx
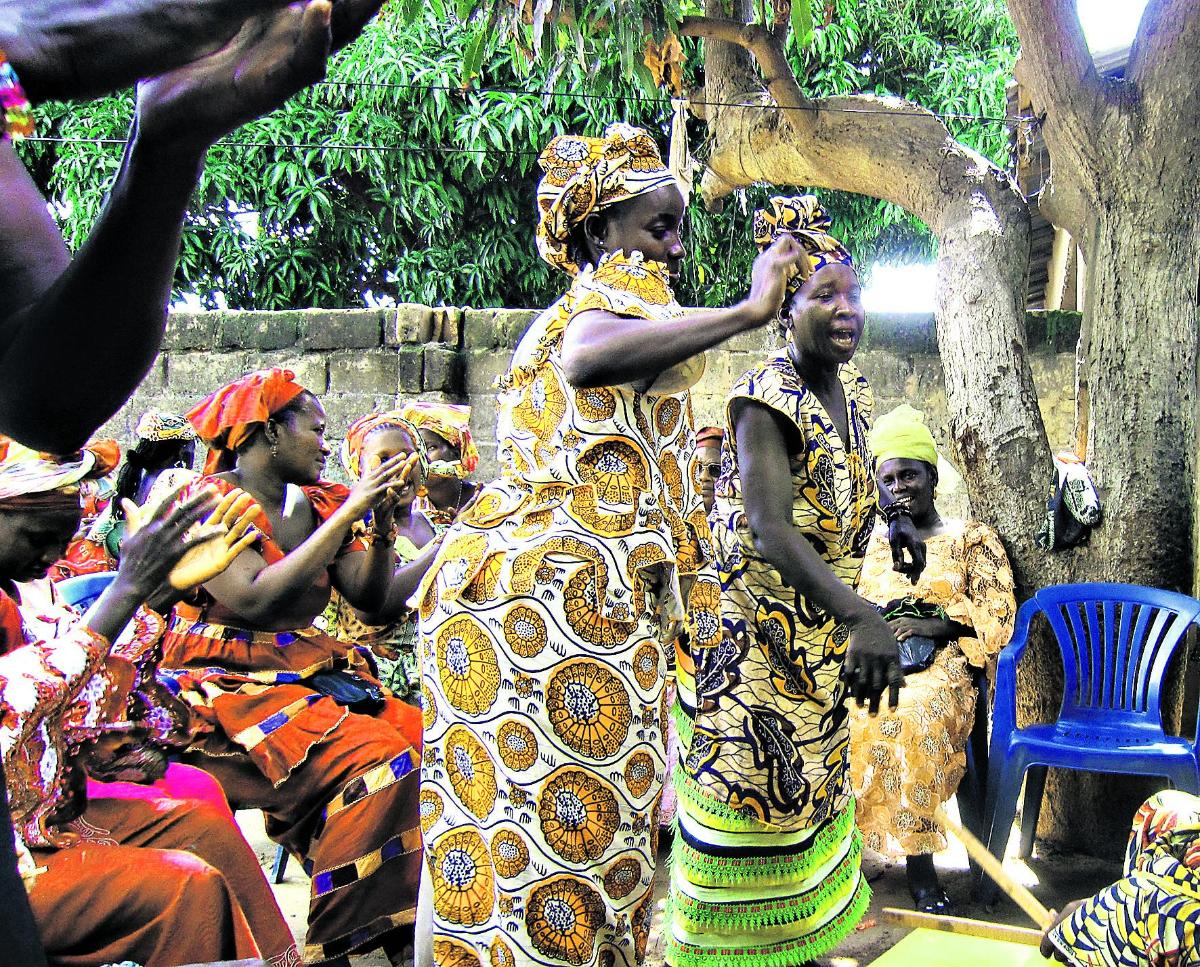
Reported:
(452, 422)
(584, 175)
(802, 217)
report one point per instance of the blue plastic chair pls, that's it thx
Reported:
(1116, 642)
(82, 591)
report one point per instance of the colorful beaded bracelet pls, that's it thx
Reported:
(18, 114)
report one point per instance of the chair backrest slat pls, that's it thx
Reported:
(1109, 637)
(1124, 649)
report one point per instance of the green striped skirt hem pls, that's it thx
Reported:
(761, 898)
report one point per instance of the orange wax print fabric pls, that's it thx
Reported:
(544, 624)
(907, 761)
(339, 788)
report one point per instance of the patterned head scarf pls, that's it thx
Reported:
(903, 435)
(453, 422)
(802, 217)
(584, 175)
(226, 420)
(30, 480)
(364, 426)
(159, 426)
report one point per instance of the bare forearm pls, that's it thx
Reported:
(113, 609)
(32, 251)
(102, 320)
(364, 578)
(404, 585)
(276, 585)
(611, 350)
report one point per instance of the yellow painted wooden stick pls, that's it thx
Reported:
(961, 925)
(993, 868)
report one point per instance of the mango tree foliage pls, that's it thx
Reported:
(410, 174)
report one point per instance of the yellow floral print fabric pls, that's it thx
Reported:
(906, 762)
(543, 627)
(770, 737)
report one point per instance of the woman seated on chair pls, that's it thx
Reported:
(291, 721)
(955, 618)
(149, 876)
(391, 631)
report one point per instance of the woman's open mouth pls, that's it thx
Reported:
(844, 338)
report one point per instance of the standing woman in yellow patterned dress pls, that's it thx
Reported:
(546, 616)
(765, 866)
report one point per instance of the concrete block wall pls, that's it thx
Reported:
(360, 360)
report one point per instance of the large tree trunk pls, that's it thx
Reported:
(1121, 157)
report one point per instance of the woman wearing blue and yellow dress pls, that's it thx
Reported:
(545, 619)
(765, 865)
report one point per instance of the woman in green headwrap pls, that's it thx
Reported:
(906, 763)
(765, 869)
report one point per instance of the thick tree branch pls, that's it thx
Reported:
(1058, 73)
(780, 80)
(1163, 62)
(1053, 45)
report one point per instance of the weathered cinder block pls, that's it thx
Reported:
(367, 373)
(340, 411)
(410, 369)
(483, 368)
(408, 324)
(191, 330)
(495, 328)
(341, 328)
(443, 370)
(311, 369)
(199, 374)
(257, 330)
(448, 326)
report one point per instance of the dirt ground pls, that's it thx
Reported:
(1054, 878)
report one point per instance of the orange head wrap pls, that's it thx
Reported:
(226, 420)
(709, 434)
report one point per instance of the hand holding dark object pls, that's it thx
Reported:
(1047, 948)
(908, 550)
(906, 627)
(872, 663)
(64, 49)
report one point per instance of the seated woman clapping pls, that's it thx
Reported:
(292, 721)
(955, 618)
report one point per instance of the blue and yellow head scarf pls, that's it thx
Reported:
(802, 217)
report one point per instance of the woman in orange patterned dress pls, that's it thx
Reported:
(291, 721)
(909, 760)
